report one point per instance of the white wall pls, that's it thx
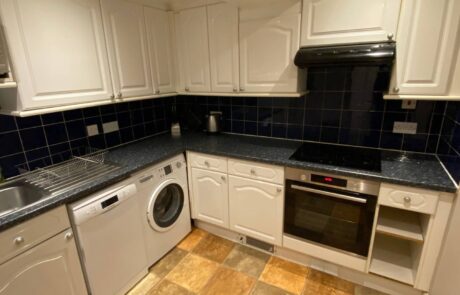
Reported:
(447, 277)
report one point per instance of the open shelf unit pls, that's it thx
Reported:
(400, 223)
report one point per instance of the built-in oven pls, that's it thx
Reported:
(331, 210)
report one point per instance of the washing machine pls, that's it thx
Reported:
(164, 206)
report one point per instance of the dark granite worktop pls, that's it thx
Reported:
(411, 169)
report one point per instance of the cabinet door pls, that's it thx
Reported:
(223, 45)
(124, 25)
(427, 41)
(256, 209)
(58, 51)
(210, 196)
(3, 56)
(159, 34)
(53, 267)
(193, 50)
(353, 21)
(267, 50)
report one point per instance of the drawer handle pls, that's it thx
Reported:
(223, 178)
(206, 163)
(19, 240)
(253, 172)
(407, 200)
(278, 190)
(68, 236)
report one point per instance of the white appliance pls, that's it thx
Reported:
(110, 238)
(164, 206)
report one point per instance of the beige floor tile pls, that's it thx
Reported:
(247, 260)
(168, 262)
(266, 289)
(190, 241)
(229, 282)
(193, 272)
(144, 286)
(361, 290)
(322, 283)
(214, 248)
(168, 288)
(285, 275)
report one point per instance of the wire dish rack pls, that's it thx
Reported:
(72, 173)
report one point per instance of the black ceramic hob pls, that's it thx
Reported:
(339, 155)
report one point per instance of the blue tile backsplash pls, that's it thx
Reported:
(449, 144)
(345, 106)
(39, 141)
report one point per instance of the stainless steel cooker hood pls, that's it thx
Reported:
(356, 54)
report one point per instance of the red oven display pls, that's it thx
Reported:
(329, 180)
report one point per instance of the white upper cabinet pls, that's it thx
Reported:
(124, 25)
(327, 22)
(427, 43)
(269, 40)
(58, 51)
(159, 36)
(223, 46)
(193, 50)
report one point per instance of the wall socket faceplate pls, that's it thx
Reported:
(92, 130)
(405, 127)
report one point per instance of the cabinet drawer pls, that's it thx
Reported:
(209, 162)
(264, 172)
(31, 232)
(412, 199)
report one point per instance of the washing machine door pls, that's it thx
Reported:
(166, 205)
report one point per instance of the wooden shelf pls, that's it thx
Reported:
(399, 223)
(392, 258)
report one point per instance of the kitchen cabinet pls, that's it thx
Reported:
(127, 45)
(159, 36)
(210, 196)
(326, 22)
(193, 50)
(39, 256)
(269, 41)
(256, 209)
(58, 53)
(427, 42)
(4, 68)
(223, 47)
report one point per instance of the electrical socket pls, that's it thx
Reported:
(92, 130)
(405, 127)
(110, 127)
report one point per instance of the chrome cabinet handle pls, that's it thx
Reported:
(407, 200)
(68, 236)
(187, 89)
(112, 96)
(279, 190)
(223, 178)
(390, 36)
(206, 163)
(19, 240)
(119, 95)
(253, 172)
(396, 90)
(157, 92)
(235, 89)
(330, 194)
(241, 88)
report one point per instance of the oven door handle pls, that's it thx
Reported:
(330, 194)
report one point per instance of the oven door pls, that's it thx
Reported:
(328, 216)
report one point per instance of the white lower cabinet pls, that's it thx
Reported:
(210, 196)
(52, 267)
(256, 209)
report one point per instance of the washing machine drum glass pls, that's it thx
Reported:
(168, 205)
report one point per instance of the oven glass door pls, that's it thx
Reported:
(332, 217)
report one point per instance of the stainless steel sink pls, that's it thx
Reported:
(19, 194)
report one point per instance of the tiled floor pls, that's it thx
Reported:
(206, 264)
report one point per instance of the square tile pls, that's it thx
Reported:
(168, 288)
(229, 282)
(144, 286)
(189, 242)
(193, 272)
(322, 283)
(168, 262)
(214, 248)
(247, 260)
(285, 275)
(266, 289)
